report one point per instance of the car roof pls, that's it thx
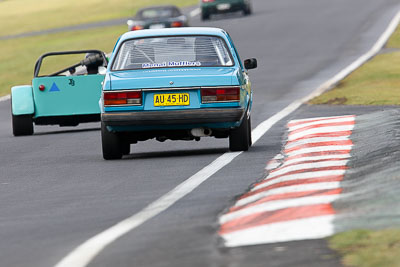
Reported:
(159, 7)
(173, 31)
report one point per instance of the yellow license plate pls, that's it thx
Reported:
(181, 99)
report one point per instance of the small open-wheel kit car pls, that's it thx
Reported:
(65, 91)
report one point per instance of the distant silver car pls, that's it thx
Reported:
(157, 17)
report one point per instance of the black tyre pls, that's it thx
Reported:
(126, 148)
(247, 10)
(250, 138)
(111, 144)
(240, 138)
(205, 16)
(22, 125)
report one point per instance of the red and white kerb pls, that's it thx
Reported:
(294, 202)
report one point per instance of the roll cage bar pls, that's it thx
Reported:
(100, 56)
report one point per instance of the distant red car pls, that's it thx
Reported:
(157, 17)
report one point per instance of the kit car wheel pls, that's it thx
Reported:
(111, 144)
(239, 138)
(22, 125)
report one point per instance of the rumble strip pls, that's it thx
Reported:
(294, 202)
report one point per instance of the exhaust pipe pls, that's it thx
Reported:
(200, 132)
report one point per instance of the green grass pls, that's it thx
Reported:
(364, 248)
(394, 41)
(19, 16)
(376, 83)
(21, 54)
(18, 56)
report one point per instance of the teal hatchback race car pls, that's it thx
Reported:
(66, 96)
(177, 84)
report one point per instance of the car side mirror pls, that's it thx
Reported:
(250, 63)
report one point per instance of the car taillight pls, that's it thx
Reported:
(137, 27)
(177, 24)
(223, 94)
(122, 98)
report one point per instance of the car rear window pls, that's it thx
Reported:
(172, 52)
(153, 13)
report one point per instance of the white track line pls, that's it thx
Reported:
(4, 98)
(195, 12)
(83, 254)
(310, 228)
(277, 205)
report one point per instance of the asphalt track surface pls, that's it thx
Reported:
(56, 191)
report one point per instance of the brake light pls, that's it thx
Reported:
(41, 87)
(177, 24)
(137, 27)
(222, 94)
(122, 98)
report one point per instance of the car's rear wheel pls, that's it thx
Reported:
(240, 138)
(247, 10)
(126, 148)
(205, 16)
(111, 144)
(22, 124)
(250, 138)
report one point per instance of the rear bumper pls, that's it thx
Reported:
(175, 117)
(70, 120)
